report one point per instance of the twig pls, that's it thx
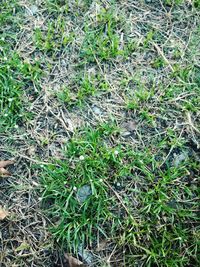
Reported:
(34, 160)
(163, 56)
(60, 120)
(16, 154)
(191, 123)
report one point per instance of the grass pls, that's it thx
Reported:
(16, 74)
(16, 77)
(81, 89)
(102, 38)
(154, 218)
(103, 98)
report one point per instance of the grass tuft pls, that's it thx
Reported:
(154, 218)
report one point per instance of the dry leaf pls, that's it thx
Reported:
(4, 172)
(3, 214)
(73, 262)
(3, 164)
(23, 246)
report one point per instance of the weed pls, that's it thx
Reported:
(81, 89)
(90, 164)
(141, 95)
(54, 38)
(102, 46)
(65, 96)
(102, 42)
(158, 63)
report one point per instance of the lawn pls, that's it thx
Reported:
(99, 109)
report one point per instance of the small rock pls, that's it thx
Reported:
(180, 158)
(96, 110)
(128, 128)
(83, 193)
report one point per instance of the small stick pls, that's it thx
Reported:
(163, 56)
(61, 120)
(191, 123)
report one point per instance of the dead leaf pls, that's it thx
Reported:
(4, 172)
(23, 246)
(73, 262)
(3, 164)
(3, 214)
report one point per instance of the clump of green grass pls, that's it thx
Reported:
(54, 38)
(100, 46)
(10, 96)
(102, 41)
(16, 74)
(133, 202)
(140, 96)
(81, 89)
(90, 164)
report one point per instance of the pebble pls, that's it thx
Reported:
(84, 192)
(96, 110)
(179, 158)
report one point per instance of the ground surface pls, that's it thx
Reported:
(99, 106)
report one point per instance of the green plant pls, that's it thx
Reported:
(157, 229)
(90, 164)
(141, 96)
(158, 63)
(16, 74)
(102, 42)
(174, 2)
(81, 89)
(54, 38)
